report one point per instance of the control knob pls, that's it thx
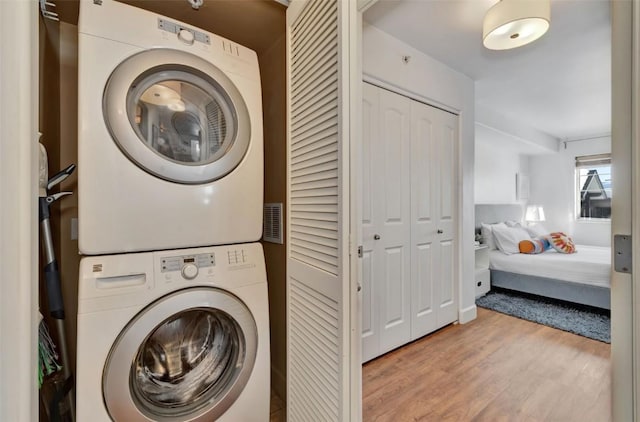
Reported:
(186, 36)
(189, 271)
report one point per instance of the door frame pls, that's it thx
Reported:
(625, 354)
(355, 217)
(632, 61)
(625, 219)
(19, 34)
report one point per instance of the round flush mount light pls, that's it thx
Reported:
(514, 23)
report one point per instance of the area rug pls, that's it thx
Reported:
(582, 320)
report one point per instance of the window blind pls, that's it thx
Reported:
(593, 160)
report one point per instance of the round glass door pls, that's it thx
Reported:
(176, 116)
(189, 364)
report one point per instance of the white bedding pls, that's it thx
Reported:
(589, 265)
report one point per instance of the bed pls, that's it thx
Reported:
(582, 277)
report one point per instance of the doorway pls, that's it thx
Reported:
(399, 84)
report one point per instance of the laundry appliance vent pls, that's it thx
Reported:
(272, 226)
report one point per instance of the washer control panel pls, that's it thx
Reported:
(188, 265)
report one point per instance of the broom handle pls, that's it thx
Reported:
(54, 289)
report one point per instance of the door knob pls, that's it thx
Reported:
(376, 237)
(440, 231)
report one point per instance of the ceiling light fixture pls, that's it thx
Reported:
(196, 4)
(514, 23)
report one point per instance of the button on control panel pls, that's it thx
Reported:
(186, 36)
(236, 256)
(189, 271)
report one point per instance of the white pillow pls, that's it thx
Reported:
(537, 230)
(507, 238)
(487, 234)
(512, 223)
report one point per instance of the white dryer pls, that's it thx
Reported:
(170, 148)
(180, 335)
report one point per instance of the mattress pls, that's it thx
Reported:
(589, 265)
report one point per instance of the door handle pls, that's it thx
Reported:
(376, 237)
(440, 231)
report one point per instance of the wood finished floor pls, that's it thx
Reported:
(276, 410)
(496, 368)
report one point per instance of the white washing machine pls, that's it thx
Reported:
(170, 147)
(180, 335)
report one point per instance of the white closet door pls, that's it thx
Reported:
(371, 138)
(319, 355)
(409, 176)
(425, 269)
(392, 220)
(446, 236)
(434, 287)
(386, 224)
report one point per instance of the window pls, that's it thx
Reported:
(593, 177)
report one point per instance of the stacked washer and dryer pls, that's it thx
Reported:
(171, 327)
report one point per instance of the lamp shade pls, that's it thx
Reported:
(514, 23)
(534, 213)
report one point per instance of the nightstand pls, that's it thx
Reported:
(483, 277)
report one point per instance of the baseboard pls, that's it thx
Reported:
(467, 314)
(279, 383)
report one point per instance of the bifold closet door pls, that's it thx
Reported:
(410, 281)
(370, 136)
(321, 53)
(434, 291)
(386, 221)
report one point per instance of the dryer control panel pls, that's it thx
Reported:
(186, 35)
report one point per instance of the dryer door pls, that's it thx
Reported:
(176, 116)
(186, 357)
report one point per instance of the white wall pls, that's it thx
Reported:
(430, 81)
(497, 161)
(553, 186)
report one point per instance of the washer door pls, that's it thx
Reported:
(186, 357)
(176, 116)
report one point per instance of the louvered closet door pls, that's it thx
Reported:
(318, 284)
(434, 289)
